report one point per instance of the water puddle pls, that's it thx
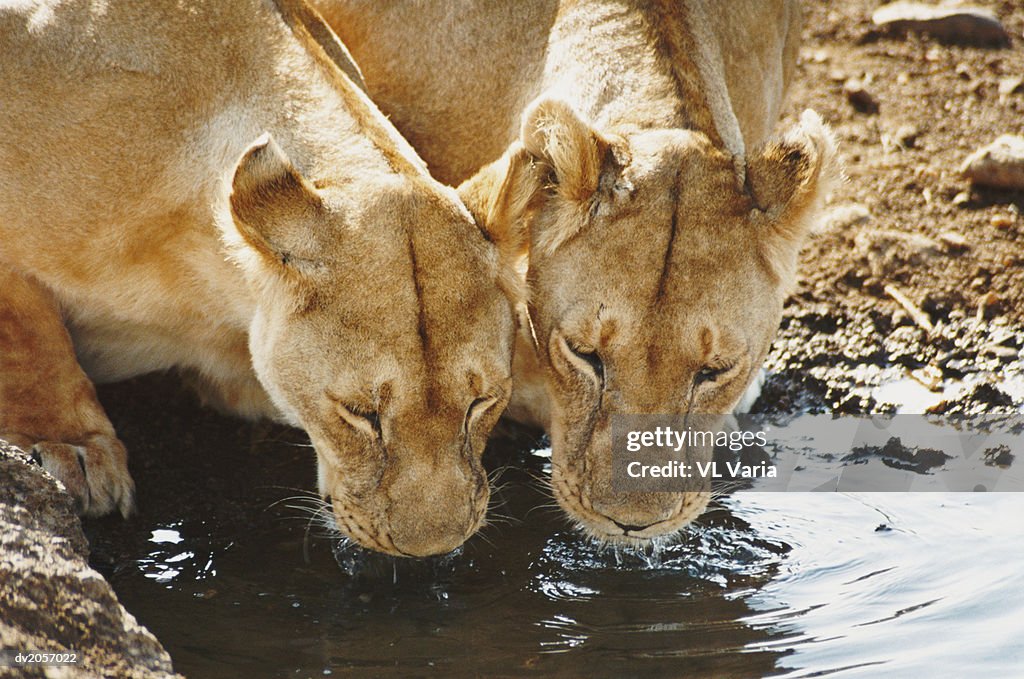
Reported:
(234, 583)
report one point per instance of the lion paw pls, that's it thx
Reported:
(94, 472)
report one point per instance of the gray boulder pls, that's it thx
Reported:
(50, 599)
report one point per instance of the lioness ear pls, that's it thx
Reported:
(787, 179)
(501, 196)
(274, 208)
(554, 133)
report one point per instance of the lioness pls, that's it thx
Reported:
(184, 184)
(665, 228)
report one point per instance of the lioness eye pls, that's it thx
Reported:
(709, 374)
(591, 357)
(367, 421)
(476, 408)
(374, 420)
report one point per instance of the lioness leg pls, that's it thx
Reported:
(240, 395)
(48, 405)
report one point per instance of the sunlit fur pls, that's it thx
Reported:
(665, 221)
(200, 186)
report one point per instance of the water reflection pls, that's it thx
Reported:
(798, 584)
(165, 561)
(938, 588)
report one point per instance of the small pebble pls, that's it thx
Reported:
(907, 135)
(843, 217)
(954, 240)
(1000, 351)
(1002, 221)
(859, 97)
(929, 376)
(1008, 86)
(987, 300)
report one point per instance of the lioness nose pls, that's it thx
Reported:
(429, 534)
(636, 511)
(432, 513)
(432, 545)
(626, 527)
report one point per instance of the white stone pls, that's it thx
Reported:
(1000, 164)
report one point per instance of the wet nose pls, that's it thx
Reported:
(429, 536)
(627, 527)
(633, 512)
(433, 547)
(433, 513)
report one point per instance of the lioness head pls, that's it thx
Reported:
(658, 265)
(382, 330)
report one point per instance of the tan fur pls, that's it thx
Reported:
(665, 230)
(200, 186)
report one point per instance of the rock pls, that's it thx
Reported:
(998, 165)
(843, 217)
(887, 251)
(50, 599)
(1008, 86)
(999, 351)
(930, 377)
(819, 56)
(960, 25)
(884, 240)
(962, 198)
(985, 302)
(907, 135)
(1002, 221)
(859, 97)
(953, 240)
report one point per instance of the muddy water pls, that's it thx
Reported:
(235, 583)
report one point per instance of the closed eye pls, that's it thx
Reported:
(590, 357)
(477, 409)
(362, 419)
(711, 374)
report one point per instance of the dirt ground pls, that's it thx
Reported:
(906, 223)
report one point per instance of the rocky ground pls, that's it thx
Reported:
(916, 276)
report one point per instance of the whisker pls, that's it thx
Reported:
(503, 519)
